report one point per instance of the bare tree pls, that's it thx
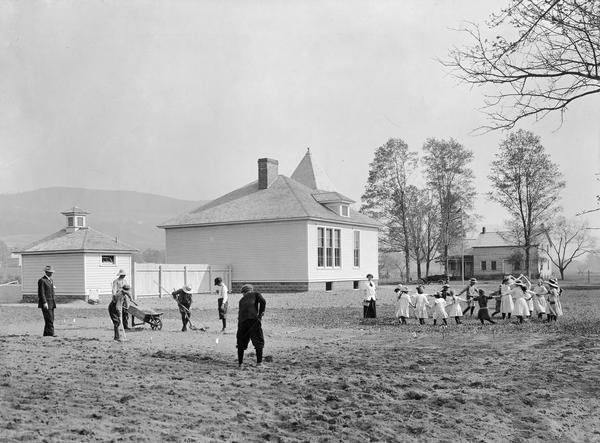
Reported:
(526, 183)
(423, 228)
(538, 56)
(385, 194)
(450, 177)
(568, 240)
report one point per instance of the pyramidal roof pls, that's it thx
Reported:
(310, 174)
(82, 240)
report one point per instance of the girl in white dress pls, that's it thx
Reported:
(506, 301)
(539, 299)
(421, 304)
(439, 309)
(521, 309)
(553, 307)
(404, 303)
(453, 308)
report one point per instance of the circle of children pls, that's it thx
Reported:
(515, 297)
(251, 310)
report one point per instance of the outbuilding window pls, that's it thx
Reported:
(108, 260)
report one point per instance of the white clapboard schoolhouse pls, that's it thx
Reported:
(282, 234)
(85, 261)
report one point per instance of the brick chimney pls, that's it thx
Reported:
(267, 172)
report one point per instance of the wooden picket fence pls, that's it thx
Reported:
(157, 280)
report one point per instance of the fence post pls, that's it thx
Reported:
(185, 275)
(159, 281)
(209, 278)
(133, 279)
(588, 275)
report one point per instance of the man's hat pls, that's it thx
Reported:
(247, 288)
(121, 272)
(48, 269)
(187, 289)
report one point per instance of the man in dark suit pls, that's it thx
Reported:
(46, 300)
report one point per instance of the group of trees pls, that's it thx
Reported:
(422, 222)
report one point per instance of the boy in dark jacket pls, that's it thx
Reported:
(252, 308)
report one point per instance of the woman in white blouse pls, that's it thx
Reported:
(370, 297)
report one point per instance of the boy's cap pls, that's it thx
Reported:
(247, 288)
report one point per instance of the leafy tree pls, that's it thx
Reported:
(450, 177)
(568, 240)
(385, 196)
(545, 55)
(526, 183)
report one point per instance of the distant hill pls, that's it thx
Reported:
(132, 216)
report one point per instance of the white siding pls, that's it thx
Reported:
(69, 273)
(99, 276)
(256, 251)
(347, 271)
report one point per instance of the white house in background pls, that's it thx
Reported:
(282, 234)
(84, 260)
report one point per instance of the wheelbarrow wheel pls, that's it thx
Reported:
(156, 324)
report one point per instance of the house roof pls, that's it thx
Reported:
(80, 240)
(486, 239)
(493, 239)
(285, 199)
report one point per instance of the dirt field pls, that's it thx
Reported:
(333, 377)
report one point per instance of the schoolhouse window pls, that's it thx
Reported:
(79, 221)
(356, 249)
(70, 222)
(329, 247)
(483, 265)
(493, 265)
(320, 247)
(345, 211)
(453, 266)
(337, 248)
(108, 259)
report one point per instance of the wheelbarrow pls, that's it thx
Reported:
(149, 316)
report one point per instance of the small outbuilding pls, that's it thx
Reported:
(280, 233)
(85, 261)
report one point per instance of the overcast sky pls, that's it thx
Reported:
(180, 98)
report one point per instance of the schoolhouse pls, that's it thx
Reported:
(85, 261)
(280, 233)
